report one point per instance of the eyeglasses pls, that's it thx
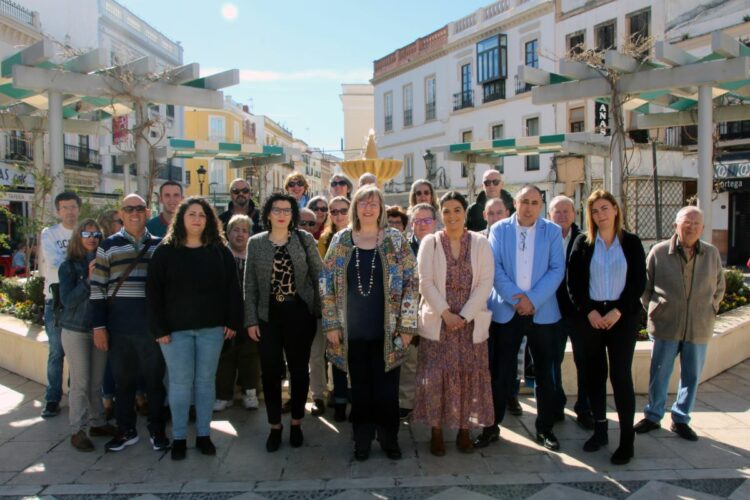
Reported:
(492, 182)
(320, 208)
(296, 184)
(368, 204)
(422, 193)
(338, 183)
(137, 208)
(425, 221)
(279, 211)
(243, 191)
(339, 211)
(91, 234)
(307, 223)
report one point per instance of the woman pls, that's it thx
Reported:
(110, 222)
(338, 220)
(296, 185)
(369, 290)
(456, 272)
(423, 192)
(239, 359)
(341, 186)
(281, 306)
(194, 304)
(606, 277)
(86, 363)
(319, 205)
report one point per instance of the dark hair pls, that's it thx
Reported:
(76, 250)
(266, 213)
(107, 220)
(532, 187)
(212, 233)
(170, 183)
(397, 211)
(454, 195)
(65, 196)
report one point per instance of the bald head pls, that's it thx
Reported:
(495, 210)
(134, 214)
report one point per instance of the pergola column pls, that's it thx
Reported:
(470, 177)
(56, 142)
(37, 145)
(705, 157)
(142, 150)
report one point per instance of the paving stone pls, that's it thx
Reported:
(289, 485)
(215, 486)
(147, 488)
(353, 495)
(561, 492)
(16, 456)
(456, 492)
(19, 490)
(741, 493)
(78, 489)
(658, 489)
(364, 483)
(248, 496)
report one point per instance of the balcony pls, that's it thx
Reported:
(407, 118)
(388, 123)
(493, 91)
(82, 157)
(18, 149)
(15, 11)
(463, 100)
(521, 86)
(429, 111)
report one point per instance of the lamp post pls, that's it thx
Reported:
(428, 157)
(201, 177)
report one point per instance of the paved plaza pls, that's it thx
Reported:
(36, 458)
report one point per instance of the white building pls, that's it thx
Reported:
(359, 108)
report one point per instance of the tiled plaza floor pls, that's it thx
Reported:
(36, 458)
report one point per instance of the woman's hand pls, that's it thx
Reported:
(229, 333)
(101, 339)
(254, 333)
(596, 320)
(164, 340)
(406, 339)
(611, 318)
(452, 321)
(335, 337)
(92, 265)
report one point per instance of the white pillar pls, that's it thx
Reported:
(37, 144)
(56, 143)
(616, 164)
(143, 172)
(705, 157)
(470, 178)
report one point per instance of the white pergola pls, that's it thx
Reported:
(41, 93)
(675, 80)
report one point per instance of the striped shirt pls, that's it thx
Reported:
(608, 271)
(126, 313)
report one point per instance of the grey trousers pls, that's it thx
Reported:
(86, 365)
(318, 364)
(407, 387)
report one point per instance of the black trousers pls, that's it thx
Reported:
(503, 345)
(568, 328)
(136, 359)
(374, 394)
(239, 362)
(616, 346)
(288, 333)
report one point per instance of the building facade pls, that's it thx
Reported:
(358, 105)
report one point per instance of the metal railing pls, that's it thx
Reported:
(389, 123)
(17, 148)
(82, 157)
(407, 118)
(429, 111)
(522, 86)
(464, 99)
(493, 91)
(18, 12)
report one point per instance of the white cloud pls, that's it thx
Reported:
(313, 75)
(229, 11)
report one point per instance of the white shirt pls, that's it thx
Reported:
(525, 237)
(54, 247)
(566, 240)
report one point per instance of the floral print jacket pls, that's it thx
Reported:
(401, 293)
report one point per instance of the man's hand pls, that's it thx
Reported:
(335, 337)
(101, 339)
(524, 307)
(254, 333)
(166, 339)
(228, 333)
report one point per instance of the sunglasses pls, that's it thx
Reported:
(320, 208)
(296, 184)
(138, 208)
(243, 191)
(338, 183)
(492, 182)
(307, 223)
(339, 211)
(91, 234)
(422, 193)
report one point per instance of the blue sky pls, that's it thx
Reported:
(294, 54)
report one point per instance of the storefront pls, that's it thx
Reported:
(733, 179)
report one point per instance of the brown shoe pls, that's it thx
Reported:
(437, 445)
(463, 441)
(103, 430)
(81, 441)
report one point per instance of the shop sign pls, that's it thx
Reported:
(729, 185)
(10, 176)
(601, 118)
(729, 170)
(9, 196)
(81, 180)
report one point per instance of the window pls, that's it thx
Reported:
(576, 42)
(532, 129)
(498, 133)
(492, 67)
(464, 99)
(216, 129)
(606, 36)
(639, 28)
(466, 136)
(408, 168)
(187, 177)
(531, 57)
(408, 98)
(217, 174)
(170, 110)
(237, 132)
(576, 119)
(388, 103)
(430, 98)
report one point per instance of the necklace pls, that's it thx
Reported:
(359, 277)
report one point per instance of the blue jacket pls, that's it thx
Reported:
(74, 295)
(547, 273)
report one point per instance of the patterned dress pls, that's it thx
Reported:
(453, 376)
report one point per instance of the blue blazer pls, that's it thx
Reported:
(547, 273)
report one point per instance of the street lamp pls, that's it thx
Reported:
(201, 177)
(428, 157)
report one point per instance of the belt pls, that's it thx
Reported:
(280, 298)
(604, 304)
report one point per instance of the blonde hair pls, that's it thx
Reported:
(591, 228)
(239, 220)
(294, 176)
(364, 193)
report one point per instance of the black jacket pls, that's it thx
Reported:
(578, 276)
(567, 309)
(251, 212)
(475, 215)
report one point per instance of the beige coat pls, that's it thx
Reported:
(433, 267)
(672, 315)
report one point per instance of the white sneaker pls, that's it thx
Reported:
(250, 400)
(221, 404)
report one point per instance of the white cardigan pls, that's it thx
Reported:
(433, 267)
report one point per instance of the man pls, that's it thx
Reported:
(118, 300)
(529, 267)
(494, 210)
(492, 185)
(684, 287)
(241, 204)
(423, 220)
(307, 220)
(397, 218)
(170, 196)
(54, 241)
(563, 213)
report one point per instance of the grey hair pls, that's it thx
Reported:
(494, 201)
(687, 210)
(369, 177)
(490, 171)
(422, 206)
(305, 210)
(559, 199)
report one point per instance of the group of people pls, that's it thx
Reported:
(421, 312)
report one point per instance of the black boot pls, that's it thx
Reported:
(624, 452)
(599, 438)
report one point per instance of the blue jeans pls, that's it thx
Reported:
(192, 357)
(56, 355)
(692, 357)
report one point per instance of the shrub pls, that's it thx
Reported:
(13, 289)
(35, 290)
(735, 280)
